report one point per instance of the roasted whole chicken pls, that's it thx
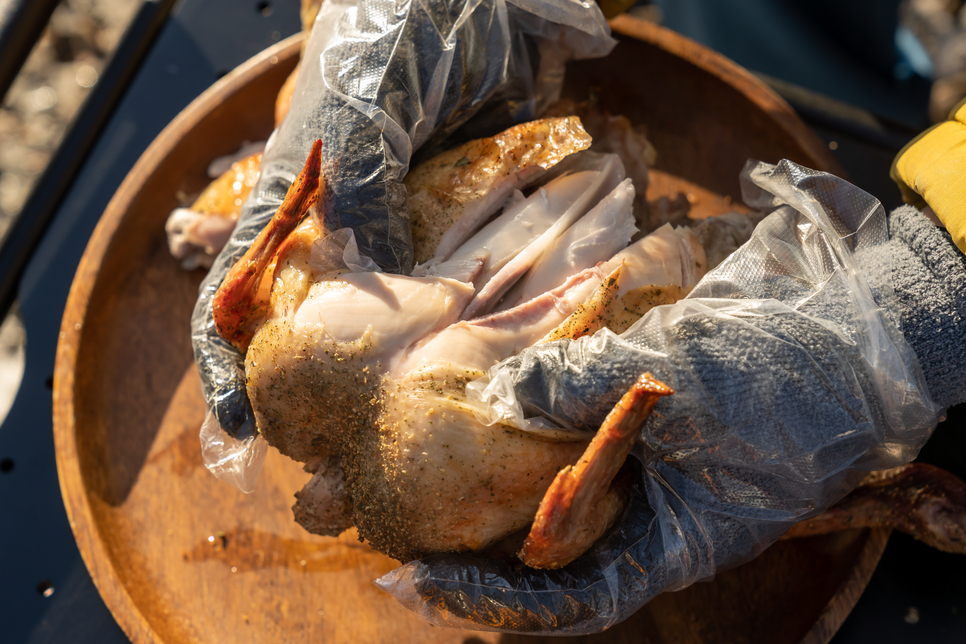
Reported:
(362, 374)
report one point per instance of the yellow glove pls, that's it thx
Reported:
(931, 169)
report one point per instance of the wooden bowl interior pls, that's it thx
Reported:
(140, 298)
(705, 115)
(180, 557)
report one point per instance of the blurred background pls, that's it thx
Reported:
(36, 112)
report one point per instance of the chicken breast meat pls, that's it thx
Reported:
(364, 374)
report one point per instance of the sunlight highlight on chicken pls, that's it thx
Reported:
(362, 374)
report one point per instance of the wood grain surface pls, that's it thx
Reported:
(180, 557)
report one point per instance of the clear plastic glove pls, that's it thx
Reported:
(791, 376)
(379, 80)
(792, 381)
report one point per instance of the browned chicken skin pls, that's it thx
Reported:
(368, 372)
(198, 233)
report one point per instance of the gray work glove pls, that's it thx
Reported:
(795, 371)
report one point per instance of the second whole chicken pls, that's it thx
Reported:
(362, 375)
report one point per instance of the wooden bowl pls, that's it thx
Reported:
(180, 557)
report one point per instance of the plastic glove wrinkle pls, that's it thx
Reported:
(788, 391)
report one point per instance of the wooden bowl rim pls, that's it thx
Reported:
(749, 85)
(80, 515)
(79, 512)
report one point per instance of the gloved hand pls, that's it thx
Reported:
(388, 78)
(740, 453)
(792, 381)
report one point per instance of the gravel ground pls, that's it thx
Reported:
(36, 113)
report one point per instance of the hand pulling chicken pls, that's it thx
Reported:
(789, 374)
(370, 368)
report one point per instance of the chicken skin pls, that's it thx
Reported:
(366, 372)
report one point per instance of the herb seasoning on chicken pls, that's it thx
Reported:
(367, 371)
